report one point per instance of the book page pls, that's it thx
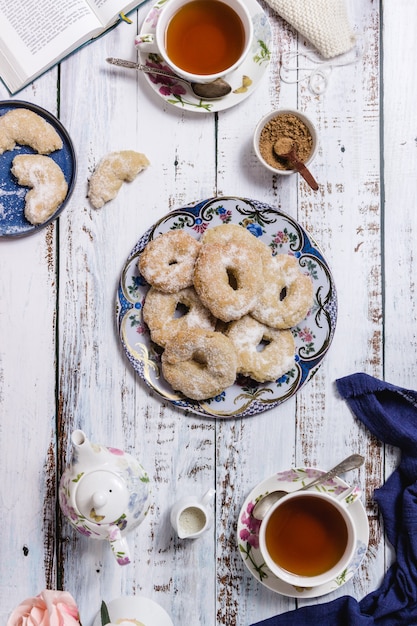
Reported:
(108, 10)
(35, 32)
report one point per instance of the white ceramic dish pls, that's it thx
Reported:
(135, 611)
(248, 529)
(243, 81)
(267, 118)
(312, 337)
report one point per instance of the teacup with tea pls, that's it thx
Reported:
(308, 539)
(201, 40)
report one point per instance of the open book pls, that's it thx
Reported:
(37, 34)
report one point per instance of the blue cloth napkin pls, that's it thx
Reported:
(390, 413)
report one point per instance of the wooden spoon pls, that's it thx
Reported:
(286, 149)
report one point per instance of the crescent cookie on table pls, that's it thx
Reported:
(112, 171)
(48, 185)
(24, 127)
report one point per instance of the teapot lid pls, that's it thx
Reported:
(102, 497)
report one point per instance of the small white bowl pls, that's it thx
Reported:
(267, 118)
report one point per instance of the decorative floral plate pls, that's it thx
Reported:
(312, 337)
(135, 611)
(243, 81)
(12, 195)
(248, 531)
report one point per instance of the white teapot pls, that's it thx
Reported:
(104, 493)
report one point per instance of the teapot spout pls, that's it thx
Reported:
(83, 448)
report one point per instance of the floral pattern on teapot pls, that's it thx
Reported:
(99, 482)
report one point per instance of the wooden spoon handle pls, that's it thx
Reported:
(305, 173)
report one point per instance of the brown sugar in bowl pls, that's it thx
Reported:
(289, 124)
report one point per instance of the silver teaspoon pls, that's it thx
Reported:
(264, 504)
(209, 91)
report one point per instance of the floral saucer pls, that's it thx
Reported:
(248, 531)
(313, 336)
(135, 611)
(243, 81)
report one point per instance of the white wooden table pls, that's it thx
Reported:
(62, 366)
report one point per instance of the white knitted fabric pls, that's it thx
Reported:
(323, 22)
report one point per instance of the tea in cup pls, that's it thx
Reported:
(201, 40)
(307, 539)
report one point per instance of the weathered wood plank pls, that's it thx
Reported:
(28, 291)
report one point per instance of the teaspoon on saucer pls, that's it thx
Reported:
(209, 91)
(264, 504)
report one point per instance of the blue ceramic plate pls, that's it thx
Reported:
(312, 336)
(12, 195)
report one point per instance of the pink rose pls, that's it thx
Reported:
(49, 608)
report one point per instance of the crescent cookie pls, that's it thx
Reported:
(263, 353)
(22, 126)
(112, 171)
(48, 185)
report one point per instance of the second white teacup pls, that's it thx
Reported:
(201, 40)
(308, 539)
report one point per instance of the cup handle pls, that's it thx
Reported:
(119, 546)
(146, 43)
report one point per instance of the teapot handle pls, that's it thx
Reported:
(119, 545)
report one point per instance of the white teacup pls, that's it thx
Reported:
(211, 47)
(308, 539)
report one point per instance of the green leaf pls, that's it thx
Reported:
(105, 618)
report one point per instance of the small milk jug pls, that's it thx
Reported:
(191, 516)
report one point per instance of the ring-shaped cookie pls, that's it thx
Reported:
(167, 262)
(263, 353)
(227, 277)
(232, 233)
(287, 295)
(169, 313)
(201, 364)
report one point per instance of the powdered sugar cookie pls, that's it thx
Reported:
(169, 313)
(22, 126)
(199, 363)
(263, 353)
(287, 293)
(228, 278)
(112, 171)
(47, 182)
(167, 262)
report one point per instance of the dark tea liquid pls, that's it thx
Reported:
(306, 536)
(205, 37)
